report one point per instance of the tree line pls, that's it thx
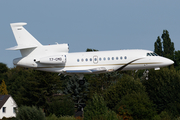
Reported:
(117, 95)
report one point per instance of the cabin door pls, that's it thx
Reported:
(95, 59)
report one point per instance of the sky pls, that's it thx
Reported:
(97, 24)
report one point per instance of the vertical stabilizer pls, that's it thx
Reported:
(26, 43)
(22, 36)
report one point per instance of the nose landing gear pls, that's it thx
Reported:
(145, 74)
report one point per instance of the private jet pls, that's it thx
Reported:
(56, 58)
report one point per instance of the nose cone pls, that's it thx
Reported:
(171, 62)
(167, 62)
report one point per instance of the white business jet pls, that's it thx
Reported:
(55, 58)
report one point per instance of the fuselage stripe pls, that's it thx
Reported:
(102, 65)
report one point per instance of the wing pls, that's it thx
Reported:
(88, 71)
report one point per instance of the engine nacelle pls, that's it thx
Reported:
(49, 49)
(56, 59)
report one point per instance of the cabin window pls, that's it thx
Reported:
(108, 58)
(125, 57)
(121, 58)
(82, 59)
(112, 58)
(104, 58)
(117, 58)
(77, 60)
(4, 110)
(99, 59)
(90, 59)
(86, 59)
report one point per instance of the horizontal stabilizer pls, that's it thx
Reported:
(21, 47)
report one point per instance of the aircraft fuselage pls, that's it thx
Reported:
(95, 62)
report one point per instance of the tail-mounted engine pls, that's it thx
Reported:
(53, 54)
(56, 59)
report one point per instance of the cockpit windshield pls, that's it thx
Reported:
(152, 54)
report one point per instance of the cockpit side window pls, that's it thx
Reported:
(155, 54)
(148, 54)
(152, 54)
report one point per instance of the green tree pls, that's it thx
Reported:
(30, 113)
(64, 107)
(158, 47)
(76, 90)
(16, 84)
(90, 50)
(168, 47)
(43, 85)
(96, 109)
(3, 90)
(122, 87)
(3, 70)
(163, 89)
(177, 60)
(138, 106)
(31, 87)
(100, 82)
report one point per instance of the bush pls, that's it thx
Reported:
(67, 118)
(63, 107)
(11, 118)
(111, 115)
(30, 113)
(165, 115)
(54, 117)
